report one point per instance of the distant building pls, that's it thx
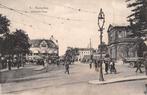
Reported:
(85, 54)
(120, 45)
(43, 48)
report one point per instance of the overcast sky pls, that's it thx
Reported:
(72, 22)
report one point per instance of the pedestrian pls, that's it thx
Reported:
(139, 63)
(90, 64)
(145, 62)
(97, 63)
(67, 68)
(112, 66)
(46, 65)
(42, 62)
(9, 64)
(57, 62)
(106, 66)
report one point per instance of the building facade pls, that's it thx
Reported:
(120, 45)
(43, 49)
(85, 54)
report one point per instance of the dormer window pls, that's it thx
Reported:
(43, 44)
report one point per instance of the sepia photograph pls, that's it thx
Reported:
(73, 47)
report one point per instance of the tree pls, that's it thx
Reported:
(138, 17)
(16, 43)
(22, 44)
(71, 53)
(140, 47)
(8, 46)
(4, 29)
(4, 24)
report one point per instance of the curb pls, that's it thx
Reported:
(117, 80)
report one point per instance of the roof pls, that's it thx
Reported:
(85, 49)
(36, 43)
(111, 27)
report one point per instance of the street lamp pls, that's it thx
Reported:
(101, 21)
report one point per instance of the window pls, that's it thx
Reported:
(43, 44)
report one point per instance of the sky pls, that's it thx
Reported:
(72, 22)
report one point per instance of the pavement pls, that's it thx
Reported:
(128, 74)
(23, 73)
(116, 80)
(56, 82)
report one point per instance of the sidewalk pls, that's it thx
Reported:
(35, 67)
(124, 74)
(29, 72)
(116, 80)
(15, 73)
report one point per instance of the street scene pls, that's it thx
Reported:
(73, 47)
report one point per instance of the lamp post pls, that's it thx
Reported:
(101, 21)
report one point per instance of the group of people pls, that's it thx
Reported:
(109, 65)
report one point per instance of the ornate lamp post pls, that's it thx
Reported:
(101, 21)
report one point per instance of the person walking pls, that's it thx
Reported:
(112, 66)
(67, 68)
(90, 64)
(145, 65)
(106, 66)
(95, 65)
(46, 65)
(139, 63)
(145, 62)
(42, 62)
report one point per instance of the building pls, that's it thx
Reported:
(120, 45)
(43, 48)
(85, 54)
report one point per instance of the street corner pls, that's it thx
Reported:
(96, 82)
(117, 80)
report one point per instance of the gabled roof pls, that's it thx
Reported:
(36, 43)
